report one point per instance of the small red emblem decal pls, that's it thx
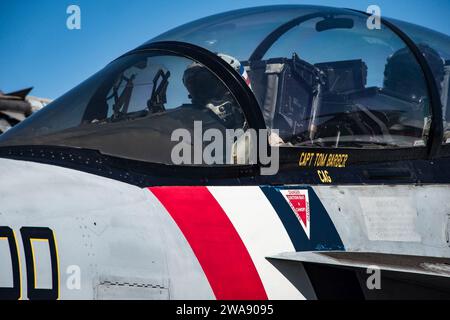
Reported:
(298, 200)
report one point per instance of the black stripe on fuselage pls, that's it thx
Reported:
(143, 174)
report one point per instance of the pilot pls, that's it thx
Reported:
(402, 71)
(207, 91)
(402, 76)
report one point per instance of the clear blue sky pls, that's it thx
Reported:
(38, 50)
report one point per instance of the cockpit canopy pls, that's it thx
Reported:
(320, 77)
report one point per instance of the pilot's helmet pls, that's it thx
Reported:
(236, 66)
(203, 86)
(403, 75)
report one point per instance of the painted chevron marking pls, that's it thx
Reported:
(262, 232)
(217, 245)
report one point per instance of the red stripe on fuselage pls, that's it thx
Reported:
(215, 242)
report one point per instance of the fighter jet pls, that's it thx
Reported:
(106, 193)
(17, 106)
(13, 108)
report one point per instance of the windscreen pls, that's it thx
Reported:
(132, 108)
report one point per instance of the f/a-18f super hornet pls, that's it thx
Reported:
(94, 206)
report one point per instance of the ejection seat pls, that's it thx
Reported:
(298, 98)
(287, 91)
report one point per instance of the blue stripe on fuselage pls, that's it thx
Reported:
(323, 234)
